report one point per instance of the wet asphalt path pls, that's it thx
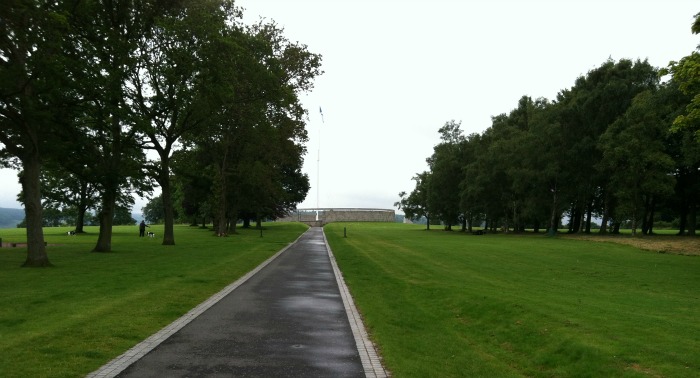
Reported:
(287, 320)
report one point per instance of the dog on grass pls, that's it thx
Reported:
(151, 234)
(71, 233)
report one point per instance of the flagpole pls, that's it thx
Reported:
(318, 166)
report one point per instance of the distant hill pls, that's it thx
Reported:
(10, 217)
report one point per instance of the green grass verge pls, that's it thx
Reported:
(68, 320)
(446, 304)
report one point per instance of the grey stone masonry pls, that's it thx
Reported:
(319, 217)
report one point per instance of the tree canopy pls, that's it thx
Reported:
(609, 148)
(88, 88)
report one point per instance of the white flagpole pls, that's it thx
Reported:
(318, 166)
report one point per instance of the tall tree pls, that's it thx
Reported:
(107, 39)
(416, 204)
(259, 76)
(472, 209)
(446, 167)
(193, 179)
(634, 155)
(64, 188)
(33, 91)
(686, 73)
(587, 110)
(166, 80)
(683, 147)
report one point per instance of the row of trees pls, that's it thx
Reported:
(620, 145)
(103, 99)
(67, 216)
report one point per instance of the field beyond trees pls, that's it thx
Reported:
(448, 304)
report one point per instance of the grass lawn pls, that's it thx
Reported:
(446, 304)
(69, 320)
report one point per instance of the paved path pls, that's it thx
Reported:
(291, 317)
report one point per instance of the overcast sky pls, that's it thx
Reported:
(397, 70)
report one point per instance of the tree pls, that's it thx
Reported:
(193, 180)
(471, 206)
(683, 148)
(446, 172)
(634, 155)
(153, 211)
(62, 188)
(686, 73)
(166, 82)
(122, 217)
(415, 205)
(251, 101)
(106, 38)
(587, 110)
(33, 92)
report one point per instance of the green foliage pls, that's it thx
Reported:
(601, 150)
(453, 305)
(122, 216)
(153, 211)
(416, 204)
(446, 167)
(635, 157)
(70, 320)
(88, 87)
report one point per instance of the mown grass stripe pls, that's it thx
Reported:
(446, 304)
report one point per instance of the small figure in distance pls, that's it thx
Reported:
(142, 228)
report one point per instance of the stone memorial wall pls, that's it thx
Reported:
(320, 217)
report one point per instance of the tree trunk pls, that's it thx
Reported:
(246, 221)
(82, 207)
(80, 219)
(168, 208)
(692, 218)
(221, 223)
(683, 219)
(606, 215)
(553, 221)
(616, 228)
(589, 217)
(576, 221)
(648, 219)
(635, 221)
(571, 219)
(106, 217)
(651, 217)
(29, 178)
(258, 222)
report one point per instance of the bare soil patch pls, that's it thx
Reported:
(679, 245)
